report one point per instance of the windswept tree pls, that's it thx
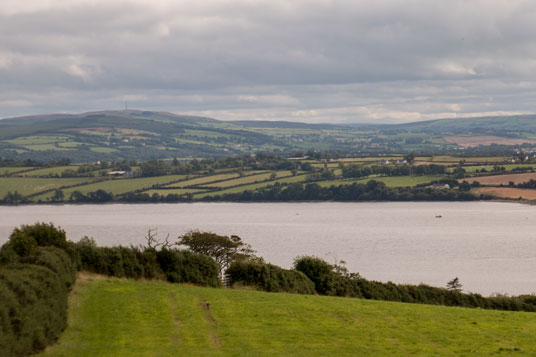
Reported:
(224, 249)
(454, 284)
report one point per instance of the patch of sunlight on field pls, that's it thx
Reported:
(117, 317)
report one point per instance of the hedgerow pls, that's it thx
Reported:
(269, 277)
(34, 300)
(330, 280)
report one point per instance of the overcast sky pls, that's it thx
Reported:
(312, 61)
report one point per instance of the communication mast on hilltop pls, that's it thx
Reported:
(126, 105)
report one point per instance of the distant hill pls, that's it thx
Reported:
(281, 124)
(510, 123)
(145, 135)
(124, 114)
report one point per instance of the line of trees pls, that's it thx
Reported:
(370, 191)
(36, 274)
(357, 171)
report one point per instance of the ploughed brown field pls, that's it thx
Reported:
(472, 141)
(508, 192)
(501, 179)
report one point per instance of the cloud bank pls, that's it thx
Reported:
(312, 61)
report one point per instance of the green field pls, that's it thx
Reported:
(176, 191)
(206, 133)
(249, 179)
(10, 170)
(508, 167)
(483, 159)
(31, 185)
(43, 147)
(215, 178)
(114, 317)
(50, 171)
(35, 140)
(203, 180)
(331, 165)
(103, 149)
(254, 186)
(69, 144)
(119, 186)
(392, 181)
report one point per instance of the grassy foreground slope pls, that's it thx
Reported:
(125, 317)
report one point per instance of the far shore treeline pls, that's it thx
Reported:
(38, 266)
(264, 177)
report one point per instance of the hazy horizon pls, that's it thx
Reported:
(378, 122)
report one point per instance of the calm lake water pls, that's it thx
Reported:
(490, 246)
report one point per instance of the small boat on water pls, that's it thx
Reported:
(438, 216)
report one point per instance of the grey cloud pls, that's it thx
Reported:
(297, 60)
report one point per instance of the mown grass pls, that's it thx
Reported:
(116, 317)
(31, 185)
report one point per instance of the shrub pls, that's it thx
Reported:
(269, 277)
(335, 280)
(90, 256)
(44, 234)
(116, 261)
(56, 260)
(34, 294)
(180, 266)
(138, 262)
(149, 264)
(319, 272)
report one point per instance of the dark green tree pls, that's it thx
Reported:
(58, 196)
(223, 249)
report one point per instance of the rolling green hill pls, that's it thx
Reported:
(147, 135)
(494, 124)
(116, 317)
